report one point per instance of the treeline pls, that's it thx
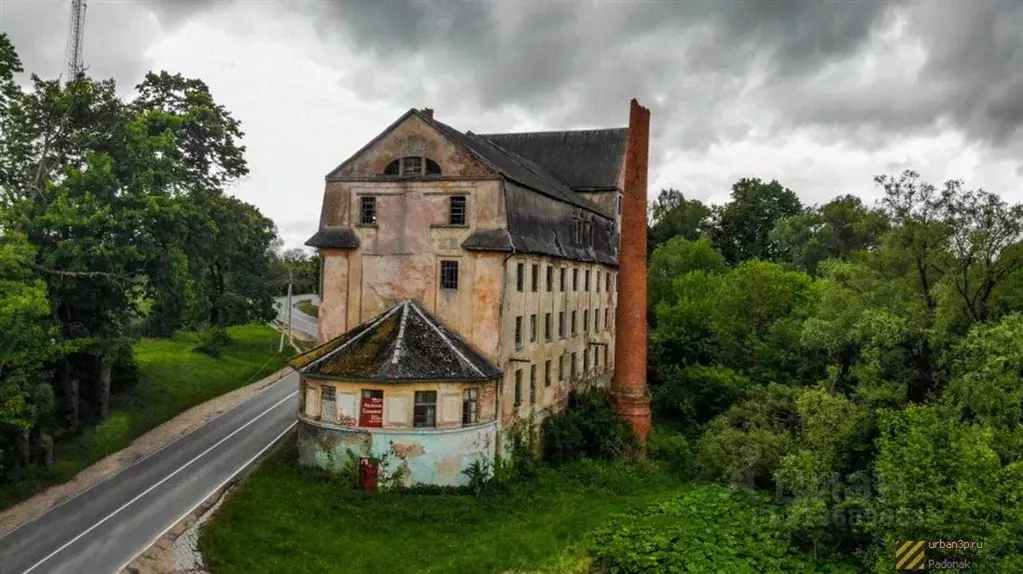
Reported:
(114, 222)
(863, 363)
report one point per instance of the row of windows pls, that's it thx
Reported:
(573, 362)
(424, 409)
(449, 280)
(547, 324)
(520, 278)
(456, 210)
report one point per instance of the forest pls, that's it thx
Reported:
(861, 363)
(115, 223)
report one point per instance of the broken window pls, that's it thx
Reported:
(411, 166)
(572, 367)
(586, 362)
(596, 320)
(518, 331)
(328, 404)
(535, 279)
(456, 212)
(449, 275)
(432, 168)
(547, 327)
(573, 323)
(532, 384)
(575, 280)
(547, 373)
(520, 276)
(607, 321)
(550, 278)
(596, 358)
(469, 406)
(561, 367)
(393, 168)
(518, 387)
(587, 281)
(586, 320)
(532, 328)
(607, 282)
(561, 324)
(562, 279)
(424, 413)
(368, 210)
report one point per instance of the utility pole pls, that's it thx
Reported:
(291, 337)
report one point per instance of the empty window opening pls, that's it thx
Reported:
(456, 212)
(449, 275)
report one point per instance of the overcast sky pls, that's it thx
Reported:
(820, 95)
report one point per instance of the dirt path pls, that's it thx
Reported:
(140, 447)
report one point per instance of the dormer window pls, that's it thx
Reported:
(412, 166)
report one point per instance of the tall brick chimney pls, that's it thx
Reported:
(628, 390)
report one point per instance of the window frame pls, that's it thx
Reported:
(518, 332)
(332, 401)
(431, 409)
(550, 278)
(520, 277)
(561, 324)
(563, 279)
(532, 328)
(547, 373)
(449, 268)
(548, 327)
(453, 205)
(470, 406)
(575, 279)
(534, 280)
(368, 201)
(518, 388)
(574, 331)
(532, 383)
(586, 320)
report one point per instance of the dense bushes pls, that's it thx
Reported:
(587, 428)
(707, 528)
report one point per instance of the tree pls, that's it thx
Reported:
(675, 258)
(675, 216)
(836, 229)
(744, 224)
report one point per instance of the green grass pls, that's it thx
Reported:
(308, 308)
(286, 518)
(173, 379)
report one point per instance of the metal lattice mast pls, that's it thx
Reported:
(76, 34)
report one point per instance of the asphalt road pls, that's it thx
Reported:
(105, 527)
(299, 320)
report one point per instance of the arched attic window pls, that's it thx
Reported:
(412, 166)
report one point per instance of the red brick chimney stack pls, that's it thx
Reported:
(629, 391)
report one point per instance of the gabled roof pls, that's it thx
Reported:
(404, 343)
(504, 161)
(581, 159)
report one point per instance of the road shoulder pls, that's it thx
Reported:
(141, 447)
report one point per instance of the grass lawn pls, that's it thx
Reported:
(308, 308)
(173, 379)
(284, 518)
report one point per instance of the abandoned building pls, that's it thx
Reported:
(469, 282)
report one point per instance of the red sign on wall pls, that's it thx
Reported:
(371, 413)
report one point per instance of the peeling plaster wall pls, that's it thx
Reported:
(524, 304)
(333, 312)
(412, 457)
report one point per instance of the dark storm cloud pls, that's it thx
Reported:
(576, 63)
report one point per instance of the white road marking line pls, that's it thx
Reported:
(138, 461)
(208, 494)
(163, 480)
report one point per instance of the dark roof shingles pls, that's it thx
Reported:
(581, 159)
(405, 343)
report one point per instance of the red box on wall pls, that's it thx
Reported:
(367, 474)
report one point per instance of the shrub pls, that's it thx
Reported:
(587, 428)
(212, 341)
(707, 528)
(672, 449)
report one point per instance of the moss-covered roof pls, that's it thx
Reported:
(404, 343)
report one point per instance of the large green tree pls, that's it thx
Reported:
(743, 225)
(836, 229)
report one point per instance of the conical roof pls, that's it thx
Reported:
(404, 343)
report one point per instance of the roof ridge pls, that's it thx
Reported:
(551, 132)
(447, 340)
(398, 345)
